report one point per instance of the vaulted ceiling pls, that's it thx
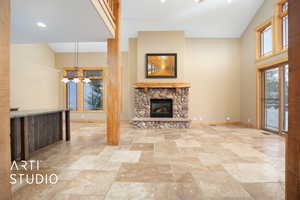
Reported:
(70, 20)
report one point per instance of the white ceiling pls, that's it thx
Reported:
(66, 20)
(211, 18)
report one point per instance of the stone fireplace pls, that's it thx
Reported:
(161, 105)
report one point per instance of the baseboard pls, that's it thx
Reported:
(215, 123)
(249, 125)
(101, 121)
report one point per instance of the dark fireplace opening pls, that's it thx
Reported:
(161, 108)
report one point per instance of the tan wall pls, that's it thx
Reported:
(34, 79)
(212, 66)
(160, 42)
(248, 63)
(95, 60)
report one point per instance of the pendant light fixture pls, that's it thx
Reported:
(74, 76)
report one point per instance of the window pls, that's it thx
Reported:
(85, 97)
(282, 23)
(264, 40)
(93, 95)
(72, 95)
(273, 96)
(266, 46)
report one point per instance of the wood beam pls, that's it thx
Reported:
(5, 156)
(114, 98)
(293, 138)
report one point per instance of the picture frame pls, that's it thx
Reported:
(161, 65)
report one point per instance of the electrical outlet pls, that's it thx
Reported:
(195, 118)
(200, 119)
(249, 120)
(228, 118)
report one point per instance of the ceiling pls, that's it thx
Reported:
(66, 20)
(211, 18)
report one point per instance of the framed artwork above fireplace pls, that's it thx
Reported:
(162, 65)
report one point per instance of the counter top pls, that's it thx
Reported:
(27, 113)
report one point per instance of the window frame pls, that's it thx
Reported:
(280, 14)
(259, 30)
(80, 89)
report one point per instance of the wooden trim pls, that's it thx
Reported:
(161, 85)
(87, 121)
(5, 155)
(258, 30)
(105, 15)
(272, 63)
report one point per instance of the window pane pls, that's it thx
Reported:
(266, 41)
(92, 73)
(285, 96)
(93, 95)
(271, 99)
(72, 95)
(285, 29)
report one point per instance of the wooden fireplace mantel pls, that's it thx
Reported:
(147, 85)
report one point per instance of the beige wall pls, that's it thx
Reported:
(212, 66)
(160, 42)
(248, 63)
(34, 79)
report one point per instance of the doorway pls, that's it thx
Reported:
(274, 101)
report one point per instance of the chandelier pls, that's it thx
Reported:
(74, 76)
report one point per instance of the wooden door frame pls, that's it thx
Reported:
(5, 156)
(259, 92)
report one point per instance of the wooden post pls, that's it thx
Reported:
(67, 121)
(5, 191)
(114, 82)
(293, 138)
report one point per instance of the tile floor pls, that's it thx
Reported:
(222, 162)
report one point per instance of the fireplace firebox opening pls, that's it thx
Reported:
(161, 108)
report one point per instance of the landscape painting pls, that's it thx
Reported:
(161, 65)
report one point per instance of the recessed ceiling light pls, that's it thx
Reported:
(229, 1)
(162, 1)
(199, 1)
(41, 24)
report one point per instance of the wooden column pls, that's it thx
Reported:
(293, 138)
(5, 191)
(114, 82)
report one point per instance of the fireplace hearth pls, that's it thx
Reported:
(161, 108)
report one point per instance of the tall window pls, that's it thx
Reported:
(264, 40)
(283, 21)
(275, 98)
(85, 97)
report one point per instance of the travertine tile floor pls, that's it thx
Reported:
(222, 162)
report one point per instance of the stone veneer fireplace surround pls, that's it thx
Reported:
(177, 92)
